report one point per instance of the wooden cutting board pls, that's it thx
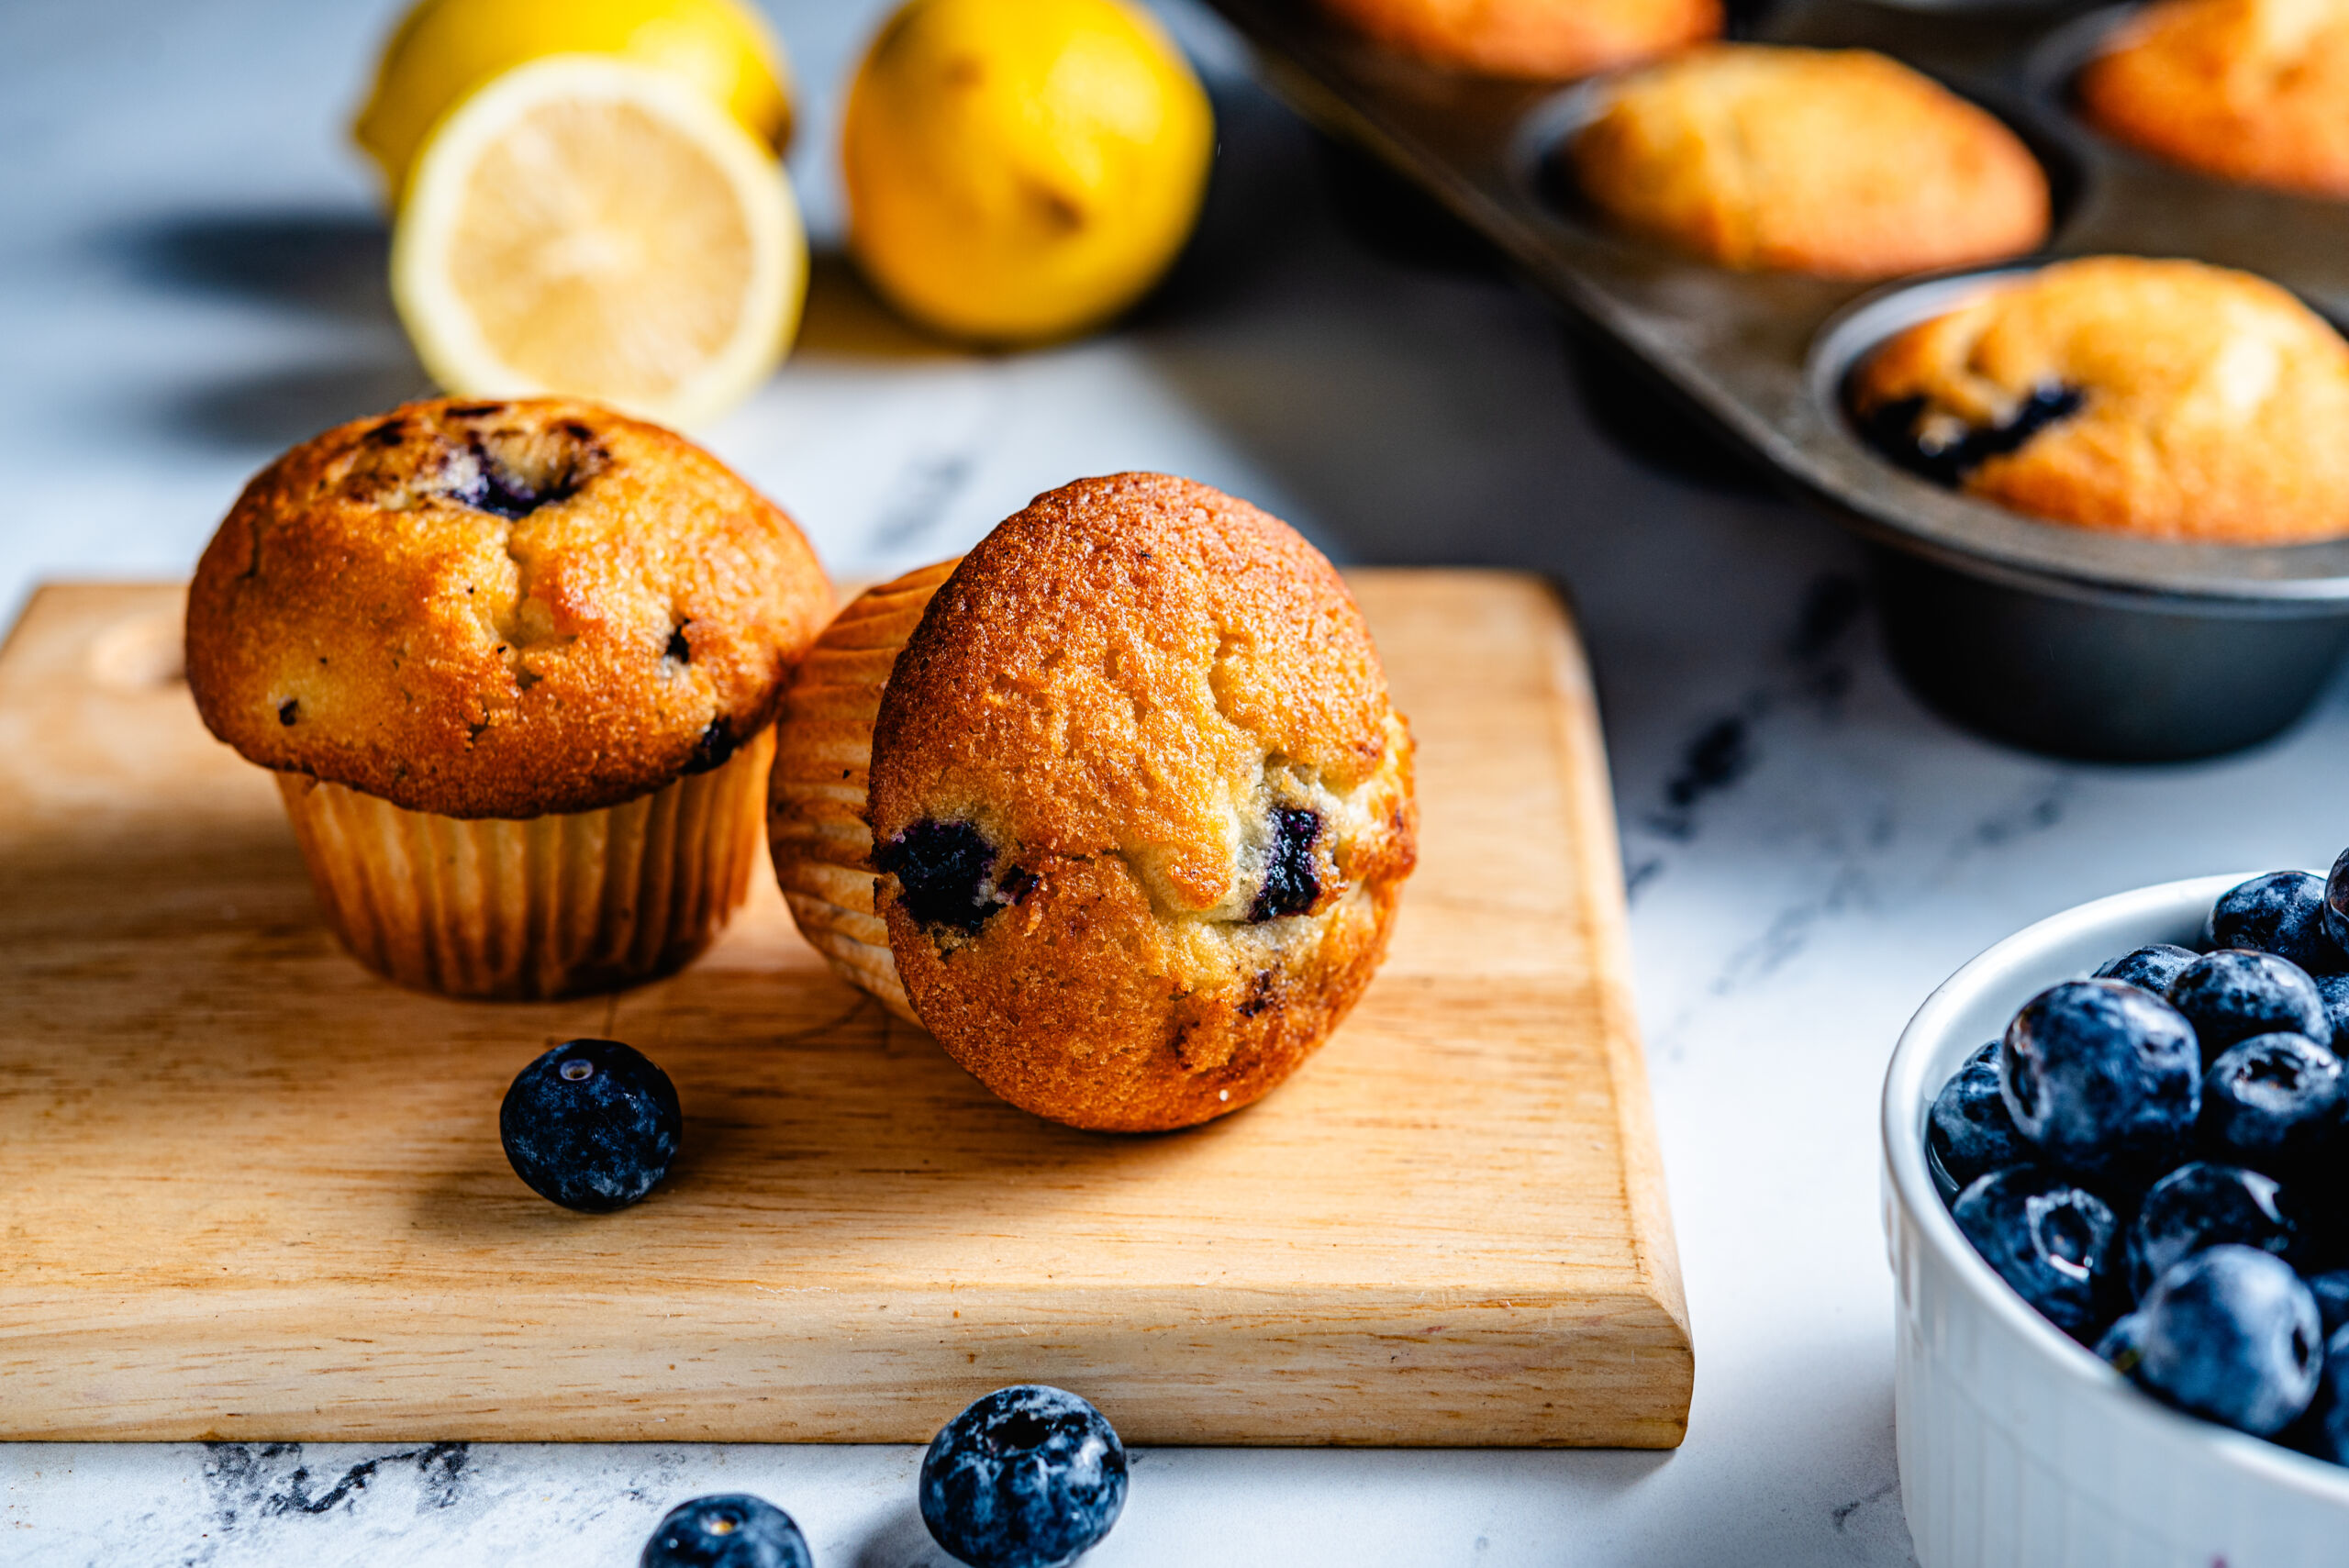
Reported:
(254, 1193)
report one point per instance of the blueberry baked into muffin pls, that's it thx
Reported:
(1538, 40)
(1839, 162)
(1117, 807)
(516, 666)
(2164, 398)
(2251, 90)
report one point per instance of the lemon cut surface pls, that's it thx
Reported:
(591, 227)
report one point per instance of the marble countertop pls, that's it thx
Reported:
(191, 277)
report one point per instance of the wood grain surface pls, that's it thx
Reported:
(254, 1193)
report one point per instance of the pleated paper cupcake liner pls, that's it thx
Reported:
(817, 829)
(554, 906)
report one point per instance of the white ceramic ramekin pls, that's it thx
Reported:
(2018, 1449)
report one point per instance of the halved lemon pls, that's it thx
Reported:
(588, 226)
(444, 49)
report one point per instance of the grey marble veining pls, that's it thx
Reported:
(190, 278)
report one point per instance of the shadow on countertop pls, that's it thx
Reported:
(332, 261)
(326, 267)
(273, 409)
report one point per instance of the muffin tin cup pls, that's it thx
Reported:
(2062, 640)
(2098, 681)
(2019, 1448)
(2067, 640)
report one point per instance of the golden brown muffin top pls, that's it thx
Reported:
(2254, 90)
(498, 609)
(1112, 671)
(1141, 804)
(1839, 162)
(1534, 39)
(2165, 398)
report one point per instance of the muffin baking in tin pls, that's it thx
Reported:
(2088, 641)
(1536, 39)
(2164, 399)
(1838, 162)
(2254, 90)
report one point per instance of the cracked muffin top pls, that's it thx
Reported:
(1532, 39)
(498, 609)
(2164, 398)
(1141, 804)
(2254, 90)
(1838, 162)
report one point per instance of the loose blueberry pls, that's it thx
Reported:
(2201, 1206)
(591, 1125)
(732, 1529)
(2282, 913)
(2231, 1334)
(2048, 1239)
(1970, 1132)
(2104, 1077)
(1026, 1477)
(2150, 968)
(2235, 993)
(2332, 1293)
(2272, 1102)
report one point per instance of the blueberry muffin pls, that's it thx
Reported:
(1838, 162)
(1116, 807)
(2164, 398)
(515, 667)
(1537, 39)
(2253, 90)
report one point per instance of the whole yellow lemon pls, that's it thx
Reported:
(444, 49)
(1021, 170)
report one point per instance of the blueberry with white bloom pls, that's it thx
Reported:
(2104, 1077)
(2052, 1241)
(591, 1125)
(1025, 1477)
(1969, 1132)
(2272, 1102)
(2336, 902)
(2202, 1205)
(2334, 990)
(730, 1529)
(2282, 913)
(2232, 1335)
(2150, 968)
(2235, 993)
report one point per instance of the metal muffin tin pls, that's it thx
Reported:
(2059, 639)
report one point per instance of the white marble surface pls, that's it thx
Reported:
(190, 279)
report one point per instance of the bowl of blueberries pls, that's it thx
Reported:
(2116, 1193)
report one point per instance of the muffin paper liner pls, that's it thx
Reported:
(554, 906)
(816, 816)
